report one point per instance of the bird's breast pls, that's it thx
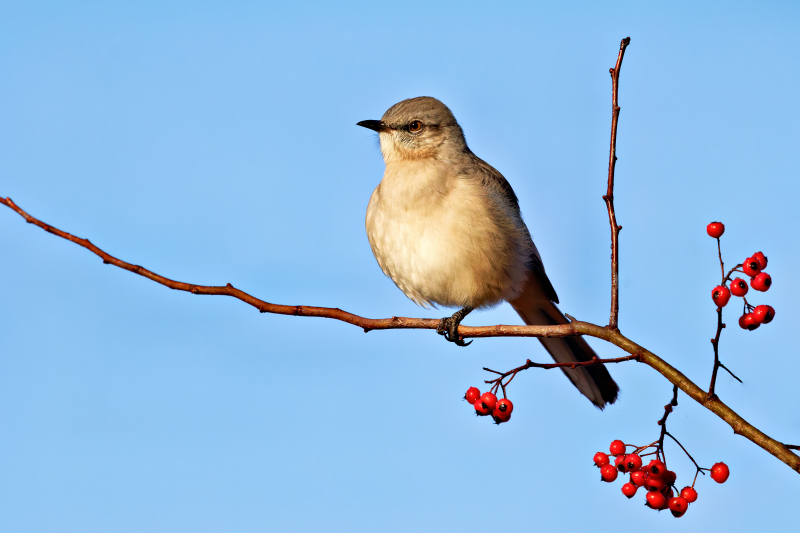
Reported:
(444, 239)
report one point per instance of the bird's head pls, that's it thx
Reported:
(417, 128)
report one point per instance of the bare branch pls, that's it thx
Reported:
(613, 321)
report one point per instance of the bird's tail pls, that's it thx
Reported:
(594, 381)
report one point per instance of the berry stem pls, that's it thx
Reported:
(640, 448)
(727, 278)
(663, 424)
(715, 343)
(498, 382)
(699, 469)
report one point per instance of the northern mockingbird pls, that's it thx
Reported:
(446, 227)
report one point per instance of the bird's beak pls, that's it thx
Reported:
(375, 125)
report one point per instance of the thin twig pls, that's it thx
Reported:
(642, 448)
(731, 373)
(667, 411)
(715, 343)
(727, 278)
(498, 381)
(699, 468)
(663, 424)
(613, 321)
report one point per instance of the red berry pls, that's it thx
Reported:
(500, 416)
(748, 321)
(678, 506)
(504, 406)
(720, 472)
(668, 495)
(654, 484)
(601, 459)
(763, 314)
(638, 478)
(629, 490)
(751, 267)
(633, 462)
(617, 447)
(472, 395)
(502, 411)
(656, 468)
(721, 295)
(619, 460)
(608, 473)
(655, 500)
(669, 477)
(761, 258)
(715, 229)
(490, 400)
(481, 408)
(689, 493)
(762, 282)
(739, 287)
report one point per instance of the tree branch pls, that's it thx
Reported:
(576, 327)
(613, 321)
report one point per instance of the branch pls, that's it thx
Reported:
(720, 326)
(576, 327)
(613, 321)
(715, 343)
(498, 382)
(663, 422)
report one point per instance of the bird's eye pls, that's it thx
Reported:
(415, 126)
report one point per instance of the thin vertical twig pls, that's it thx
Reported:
(715, 343)
(613, 321)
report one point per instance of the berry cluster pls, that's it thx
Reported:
(487, 404)
(658, 481)
(752, 316)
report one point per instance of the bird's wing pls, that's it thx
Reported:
(492, 178)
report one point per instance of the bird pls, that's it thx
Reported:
(446, 227)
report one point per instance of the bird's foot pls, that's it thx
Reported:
(448, 327)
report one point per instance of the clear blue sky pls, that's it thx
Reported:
(216, 143)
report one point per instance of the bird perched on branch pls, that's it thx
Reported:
(446, 228)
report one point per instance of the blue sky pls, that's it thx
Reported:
(216, 143)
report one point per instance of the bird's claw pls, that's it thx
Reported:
(448, 328)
